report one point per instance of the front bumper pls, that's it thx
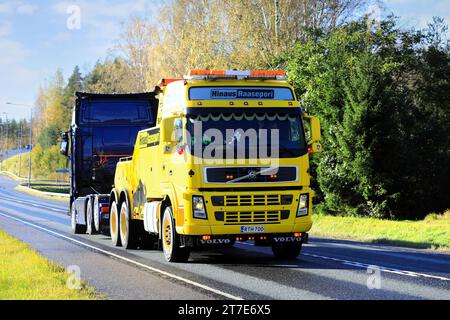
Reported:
(240, 211)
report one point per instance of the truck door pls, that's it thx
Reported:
(174, 161)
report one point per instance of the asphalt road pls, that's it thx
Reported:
(327, 269)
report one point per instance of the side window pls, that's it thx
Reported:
(307, 126)
(295, 129)
(178, 125)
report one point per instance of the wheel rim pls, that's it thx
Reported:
(96, 217)
(167, 235)
(123, 222)
(89, 220)
(73, 220)
(113, 220)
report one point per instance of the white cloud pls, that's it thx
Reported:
(19, 7)
(6, 7)
(101, 20)
(26, 9)
(12, 52)
(104, 16)
(5, 29)
(106, 9)
(15, 76)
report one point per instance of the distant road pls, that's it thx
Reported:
(13, 153)
(327, 269)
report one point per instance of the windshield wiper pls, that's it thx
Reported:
(259, 173)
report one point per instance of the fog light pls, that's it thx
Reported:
(303, 206)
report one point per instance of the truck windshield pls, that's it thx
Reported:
(120, 112)
(248, 135)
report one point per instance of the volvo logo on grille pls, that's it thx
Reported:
(252, 175)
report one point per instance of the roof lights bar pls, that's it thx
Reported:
(236, 74)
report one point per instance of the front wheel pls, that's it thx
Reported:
(171, 240)
(288, 251)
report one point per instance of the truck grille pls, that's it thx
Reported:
(253, 217)
(252, 200)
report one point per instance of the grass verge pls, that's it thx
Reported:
(40, 194)
(25, 275)
(51, 189)
(431, 233)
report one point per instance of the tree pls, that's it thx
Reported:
(49, 137)
(260, 31)
(386, 151)
(135, 45)
(223, 34)
(74, 84)
(110, 77)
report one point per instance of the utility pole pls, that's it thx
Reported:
(6, 152)
(20, 148)
(31, 147)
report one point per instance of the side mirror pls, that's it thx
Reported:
(64, 149)
(314, 145)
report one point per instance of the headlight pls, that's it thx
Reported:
(198, 206)
(303, 206)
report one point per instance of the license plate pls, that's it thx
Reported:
(252, 229)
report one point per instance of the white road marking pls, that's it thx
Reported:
(365, 266)
(165, 273)
(385, 269)
(33, 204)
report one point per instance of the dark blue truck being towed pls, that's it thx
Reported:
(104, 129)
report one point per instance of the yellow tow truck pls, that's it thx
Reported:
(227, 162)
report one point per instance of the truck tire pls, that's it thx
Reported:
(114, 225)
(76, 228)
(90, 229)
(288, 251)
(129, 235)
(171, 240)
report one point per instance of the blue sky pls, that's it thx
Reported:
(35, 39)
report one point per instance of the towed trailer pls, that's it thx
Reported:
(104, 130)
